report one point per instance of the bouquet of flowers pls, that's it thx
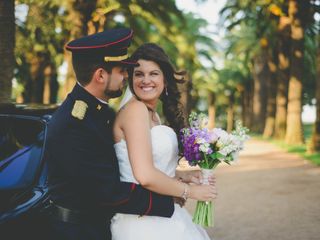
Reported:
(207, 148)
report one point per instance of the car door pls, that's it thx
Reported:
(23, 190)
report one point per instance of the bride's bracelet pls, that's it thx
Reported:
(185, 192)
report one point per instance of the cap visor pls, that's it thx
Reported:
(129, 63)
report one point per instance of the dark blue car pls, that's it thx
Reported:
(23, 173)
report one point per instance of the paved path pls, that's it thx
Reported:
(268, 195)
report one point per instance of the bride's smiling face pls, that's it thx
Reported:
(148, 81)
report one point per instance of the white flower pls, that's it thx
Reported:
(205, 147)
(220, 133)
(214, 137)
(226, 150)
(200, 140)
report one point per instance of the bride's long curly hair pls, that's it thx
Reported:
(171, 106)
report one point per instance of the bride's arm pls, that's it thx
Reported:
(135, 125)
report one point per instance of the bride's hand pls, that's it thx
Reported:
(212, 180)
(202, 192)
(195, 177)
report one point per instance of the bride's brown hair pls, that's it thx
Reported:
(171, 106)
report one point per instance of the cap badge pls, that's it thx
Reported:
(79, 109)
(115, 58)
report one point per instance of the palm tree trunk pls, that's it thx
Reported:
(34, 89)
(46, 87)
(284, 41)
(315, 139)
(54, 85)
(294, 133)
(7, 43)
(230, 113)
(247, 104)
(186, 98)
(271, 104)
(211, 109)
(51, 84)
(260, 76)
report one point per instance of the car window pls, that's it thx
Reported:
(21, 147)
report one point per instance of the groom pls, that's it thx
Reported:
(83, 169)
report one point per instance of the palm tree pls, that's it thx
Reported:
(39, 51)
(315, 140)
(283, 49)
(7, 31)
(257, 41)
(271, 100)
(193, 47)
(297, 11)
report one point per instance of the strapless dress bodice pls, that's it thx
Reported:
(164, 153)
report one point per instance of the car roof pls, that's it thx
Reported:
(28, 109)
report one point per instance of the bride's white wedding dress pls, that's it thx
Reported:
(134, 227)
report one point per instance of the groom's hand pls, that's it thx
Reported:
(179, 201)
(195, 177)
(190, 176)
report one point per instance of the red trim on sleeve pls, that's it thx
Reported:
(150, 204)
(133, 187)
(100, 46)
(119, 202)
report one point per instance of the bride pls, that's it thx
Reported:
(148, 151)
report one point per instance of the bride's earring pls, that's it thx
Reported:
(167, 91)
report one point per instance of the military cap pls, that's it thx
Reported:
(111, 45)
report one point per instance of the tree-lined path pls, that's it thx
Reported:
(269, 194)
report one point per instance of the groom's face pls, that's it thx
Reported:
(115, 82)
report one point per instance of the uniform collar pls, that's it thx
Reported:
(100, 100)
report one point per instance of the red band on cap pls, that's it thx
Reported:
(105, 45)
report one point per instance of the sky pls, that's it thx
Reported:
(208, 10)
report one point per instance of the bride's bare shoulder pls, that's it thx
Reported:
(133, 106)
(131, 111)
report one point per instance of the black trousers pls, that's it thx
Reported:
(91, 230)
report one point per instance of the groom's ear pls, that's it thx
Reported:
(100, 75)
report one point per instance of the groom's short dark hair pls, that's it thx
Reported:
(85, 66)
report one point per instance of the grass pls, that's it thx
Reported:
(298, 149)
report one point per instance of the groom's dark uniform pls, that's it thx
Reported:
(83, 170)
